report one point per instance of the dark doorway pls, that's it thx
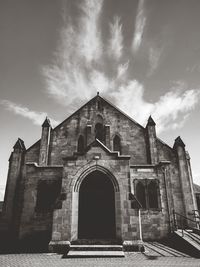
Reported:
(96, 207)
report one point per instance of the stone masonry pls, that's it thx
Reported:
(142, 162)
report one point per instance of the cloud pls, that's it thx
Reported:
(2, 192)
(154, 58)
(80, 46)
(170, 111)
(122, 71)
(99, 81)
(173, 108)
(89, 37)
(196, 176)
(36, 117)
(130, 99)
(81, 67)
(139, 26)
(115, 45)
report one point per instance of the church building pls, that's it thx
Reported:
(99, 175)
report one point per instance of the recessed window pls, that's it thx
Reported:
(99, 107)
(81, 145)
(141, 194)
(147, 193)
(99, 131)
(117, 144)
(47, 193)
(152, 193)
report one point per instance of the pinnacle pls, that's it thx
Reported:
(151, 122)
(46, 123)
(179, 142)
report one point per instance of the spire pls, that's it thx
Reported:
(179, 142)
(151, 122)
(46, 123)
(19, 145)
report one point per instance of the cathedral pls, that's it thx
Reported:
(99, 175)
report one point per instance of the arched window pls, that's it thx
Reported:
(80, 147)
(140, 194)
(117, 144)
(152, 192)
(99, 132)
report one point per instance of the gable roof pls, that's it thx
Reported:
(111, 105)
(107, 102)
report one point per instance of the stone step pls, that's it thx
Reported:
(96, 248)
(93, 253)
(96, 242)
(80, 251)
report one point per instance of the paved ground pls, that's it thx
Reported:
(131, 259)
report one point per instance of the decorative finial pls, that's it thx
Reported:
(46, 123)
(151, 122)
(179, 142)
(19, 144)
(97, 92)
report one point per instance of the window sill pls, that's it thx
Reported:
(152, 210)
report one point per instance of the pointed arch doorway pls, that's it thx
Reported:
(96, 216)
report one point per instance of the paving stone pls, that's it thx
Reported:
(130, 259)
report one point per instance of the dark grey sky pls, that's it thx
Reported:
(142, 55)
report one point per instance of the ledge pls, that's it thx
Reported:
(35, 164)
(162, 162)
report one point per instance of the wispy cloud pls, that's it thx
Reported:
(80, 64)
(99, 81)
(139, 26)
(173, 109)
(154, 58)
(68, 78)
(115, 46)
(36, 117)
(130, 98)
(170, 111)
(122, 71)
(89, 37)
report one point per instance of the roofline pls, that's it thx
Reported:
(122, 112)
(33, 145)
(164, 143)
(112, 105)
(75, 112)
(109, 103)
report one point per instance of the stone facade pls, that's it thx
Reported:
(149, 178)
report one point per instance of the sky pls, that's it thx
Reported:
(142, 55)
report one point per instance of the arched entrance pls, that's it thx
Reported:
(96, 218)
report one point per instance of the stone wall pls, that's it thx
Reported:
(136, 161)
(31, 220)
(65, 137)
